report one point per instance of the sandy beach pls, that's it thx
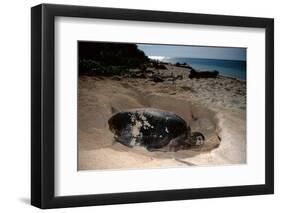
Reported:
(214, 106)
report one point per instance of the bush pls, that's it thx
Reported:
(98, 58)
(91, 67)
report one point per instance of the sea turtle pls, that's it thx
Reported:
(155, 129)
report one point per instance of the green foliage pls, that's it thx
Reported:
(92, 67)
(97, 58)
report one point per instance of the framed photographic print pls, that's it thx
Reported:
(140, 106)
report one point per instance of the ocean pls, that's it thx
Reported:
(231, 68)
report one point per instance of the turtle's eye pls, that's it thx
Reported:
(199, 141)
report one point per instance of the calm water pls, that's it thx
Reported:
(236, 69)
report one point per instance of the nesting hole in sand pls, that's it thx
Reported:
(97, 149)
(200, 119)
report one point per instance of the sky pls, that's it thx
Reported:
(226, 53)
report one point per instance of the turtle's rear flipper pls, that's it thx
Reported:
(124, 141)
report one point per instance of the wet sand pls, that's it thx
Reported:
(214, 106)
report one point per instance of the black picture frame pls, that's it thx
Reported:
(43, 111)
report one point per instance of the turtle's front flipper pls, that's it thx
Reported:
(161, 145)
(169, 145)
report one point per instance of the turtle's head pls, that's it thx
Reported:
(197, 139)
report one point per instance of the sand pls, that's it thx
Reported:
(216, 107)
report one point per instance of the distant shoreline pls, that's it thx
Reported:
(163, 58)
(229, 68)
(138, 73)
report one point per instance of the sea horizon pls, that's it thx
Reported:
(225, 67)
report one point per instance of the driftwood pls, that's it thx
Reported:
(205, 74)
